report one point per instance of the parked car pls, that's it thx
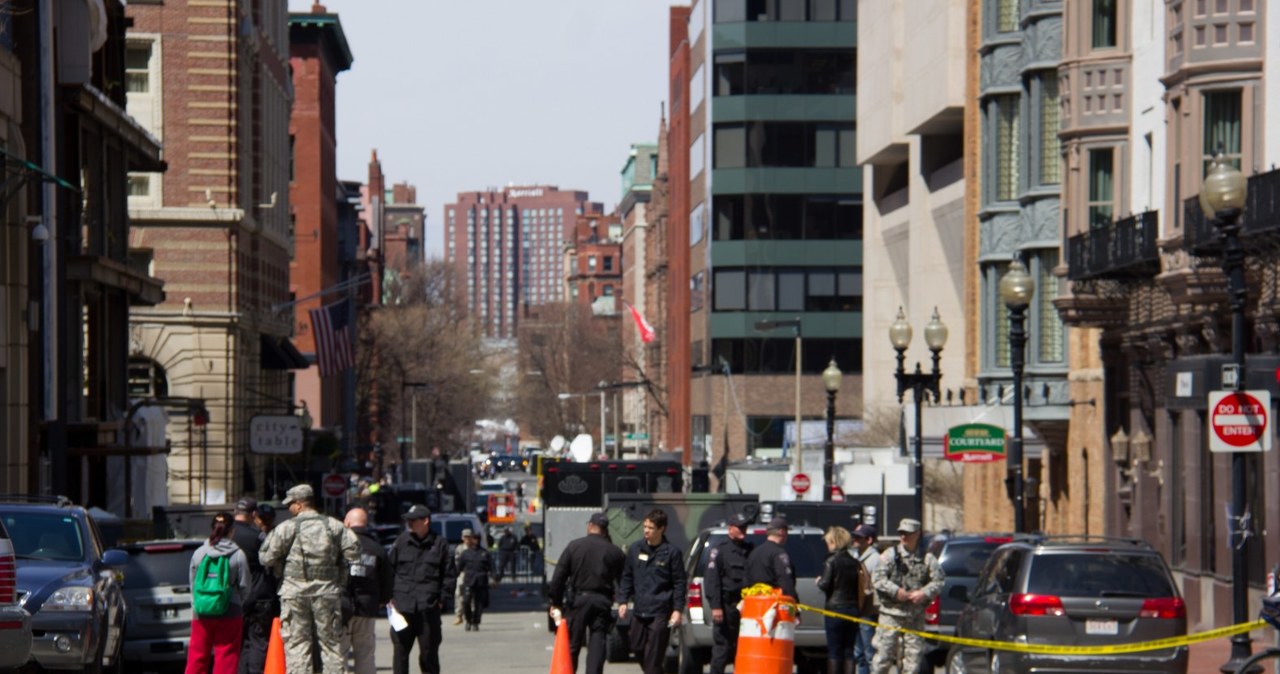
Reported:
(15, 622)
(157, 590)
(68, 583)
(1077, 591)
(450, 525)
(691, 642)
(962, 557)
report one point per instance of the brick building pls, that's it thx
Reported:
(215, 88)
(593, 263)
(507, 247)
(637, 188)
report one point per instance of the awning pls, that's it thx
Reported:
(935, 421)
(278, 353)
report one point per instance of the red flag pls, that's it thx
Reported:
(646, 330)
(332, 330)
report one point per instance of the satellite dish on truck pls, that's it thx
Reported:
(580, 448)
(558, 443)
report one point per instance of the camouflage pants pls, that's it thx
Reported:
(303, 617)
(887, 643)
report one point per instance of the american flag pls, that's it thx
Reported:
(332, 330)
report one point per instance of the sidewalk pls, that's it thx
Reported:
(1208, 656)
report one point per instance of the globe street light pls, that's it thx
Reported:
(919, 382)
(1016, 289)
(831, 381)
(1222, 200)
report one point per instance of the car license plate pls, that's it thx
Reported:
(1101, 627)
(167, 613)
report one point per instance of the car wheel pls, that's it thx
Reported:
(995, 663)
(616, 649)
(690, 661)
(955, 663)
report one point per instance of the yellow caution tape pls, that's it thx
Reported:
(1138, 647)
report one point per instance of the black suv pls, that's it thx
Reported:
(68, 583)
(961, 556)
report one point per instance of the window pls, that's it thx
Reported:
(777, 355)
(139, 185)
(730, 146)
(818, 289)
(1101, 189)
(1052, 342)
(784, 216)
(608, 263)
(784, 144)
(1050, 145)
(1104, 24)
(1006, 147)
(785, 71)
(591, 263)
(729, 288)
(137, 68)
(1006, 16)
(1000, 320)
(1221, 126)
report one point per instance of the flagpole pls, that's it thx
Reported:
(343, 286)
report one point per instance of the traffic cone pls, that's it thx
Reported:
(275, 651)
(561, 662)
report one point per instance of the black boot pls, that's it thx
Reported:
(833, 667)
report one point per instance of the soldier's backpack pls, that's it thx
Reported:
(211, 593)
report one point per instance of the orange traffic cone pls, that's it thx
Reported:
(561, 662)
(275, 651)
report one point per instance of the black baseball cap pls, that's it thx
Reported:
(417, 512)
(246, 505)
(740, 521)
(599, 519)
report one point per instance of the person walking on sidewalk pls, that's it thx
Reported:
(217, 627)
(424, 575)
(864, 539)
(588, 572)
(654, 576)
(474, 564)
(312, 554)
(507, 544)
(368, 591)
(907, 579)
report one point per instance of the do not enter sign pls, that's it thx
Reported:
(334, 485)
(1240, 421)
(800, 483)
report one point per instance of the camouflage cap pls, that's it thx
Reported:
(298, 492)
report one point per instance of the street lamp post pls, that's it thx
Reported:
(1016, 289)
(831, 381)
(1222, 200)
(793, 323)
(919, 382)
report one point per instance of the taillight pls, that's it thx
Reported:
(1165, 607)
(933, 611)
(695, 594)
(8, 579)
(1035, 604)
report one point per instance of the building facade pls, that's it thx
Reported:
(593, 264)
(775, 220)
(637, 191)
(507, 247)
(1151, 92)
(216, 228)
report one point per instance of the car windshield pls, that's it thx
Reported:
(965, 560)
(45, 536)
(163, 564)
(1099, 575)
(452, 529)
(806, 552)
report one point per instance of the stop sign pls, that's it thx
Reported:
(800, 483)
(1239, 421)
(334, 485)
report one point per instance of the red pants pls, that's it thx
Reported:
(216, 639)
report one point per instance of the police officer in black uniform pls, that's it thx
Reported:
(722, 585)
(588, 572)
(769, 563)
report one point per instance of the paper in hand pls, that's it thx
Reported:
(396, 619)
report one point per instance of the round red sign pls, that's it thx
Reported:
(334, 485)
(1239, 419)
(800, 483)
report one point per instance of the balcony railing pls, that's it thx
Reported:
(1125, 248)
(1261, 215)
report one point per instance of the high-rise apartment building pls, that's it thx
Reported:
(507, 247)
(774, 219)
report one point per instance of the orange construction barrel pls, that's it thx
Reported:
(767, 633)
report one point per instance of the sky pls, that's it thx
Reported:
(463, 95)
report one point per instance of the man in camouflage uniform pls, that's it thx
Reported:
(907, 579)
(311, 553)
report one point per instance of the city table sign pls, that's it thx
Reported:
(974, 443)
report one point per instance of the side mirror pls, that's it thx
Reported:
(959, 593)
(115, 558)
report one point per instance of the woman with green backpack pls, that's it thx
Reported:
(219, 583)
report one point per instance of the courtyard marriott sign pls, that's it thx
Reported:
(974, 443)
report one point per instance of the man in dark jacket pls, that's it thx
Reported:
(257, 621)
(530, 548)
(424, 575)
(475, 564)
(368, 590)
(507, 544)
(722, 585)
(769, 563)
(654, 576)
(588, 571)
